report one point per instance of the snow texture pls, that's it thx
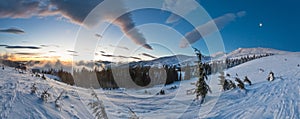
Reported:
(263, 99)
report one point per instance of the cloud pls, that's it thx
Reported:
(209, 28)
(28, 54)
(72, 51)
(120, 56)
(75, 55)
(121, 47)
(52, 51)
(98, 35)
(75, 11)
(182, 7)
(44, 45)
(22, 47)
(51, 45)
(137, 58)
(104, 55)
(12, 30)
(20, 8)
(3, 45)
(127, 25)
(148, 55)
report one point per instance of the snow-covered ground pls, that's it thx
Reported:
(277, 99)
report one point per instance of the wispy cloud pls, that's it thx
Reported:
(98, 35)
(22, 47)
(44, 45)
(105, 55)
(121, 47)
(182, 7)
(137, 58)
(12, 30)
(74, 55)
(75, 11)
(72, 51)
(148, 55)
(120, 56)
(57, 46)
(27, 54)
(209, 28)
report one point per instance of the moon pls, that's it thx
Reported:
(260, 24)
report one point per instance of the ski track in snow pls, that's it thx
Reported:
(276, 99)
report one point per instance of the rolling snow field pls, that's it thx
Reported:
(278, 99)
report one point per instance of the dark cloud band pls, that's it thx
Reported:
(12, 30)
(22, 47)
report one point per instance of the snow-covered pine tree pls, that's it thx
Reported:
(97, 106)
(45, 95)
(247, 80)
(232, 85)
(271, 76)
(223, 82)
(202, 88)
(33, 89)
(43, 77)
(241, 85)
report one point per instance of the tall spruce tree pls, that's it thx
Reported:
(202, 88)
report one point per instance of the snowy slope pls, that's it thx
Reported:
(17, 102)
(253, 51)
(242, 52)
(277, 99)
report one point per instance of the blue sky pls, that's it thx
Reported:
(280, 20)
(55, 29)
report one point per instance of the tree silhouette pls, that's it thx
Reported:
(202, 88)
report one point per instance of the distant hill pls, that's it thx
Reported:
(167, 60)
